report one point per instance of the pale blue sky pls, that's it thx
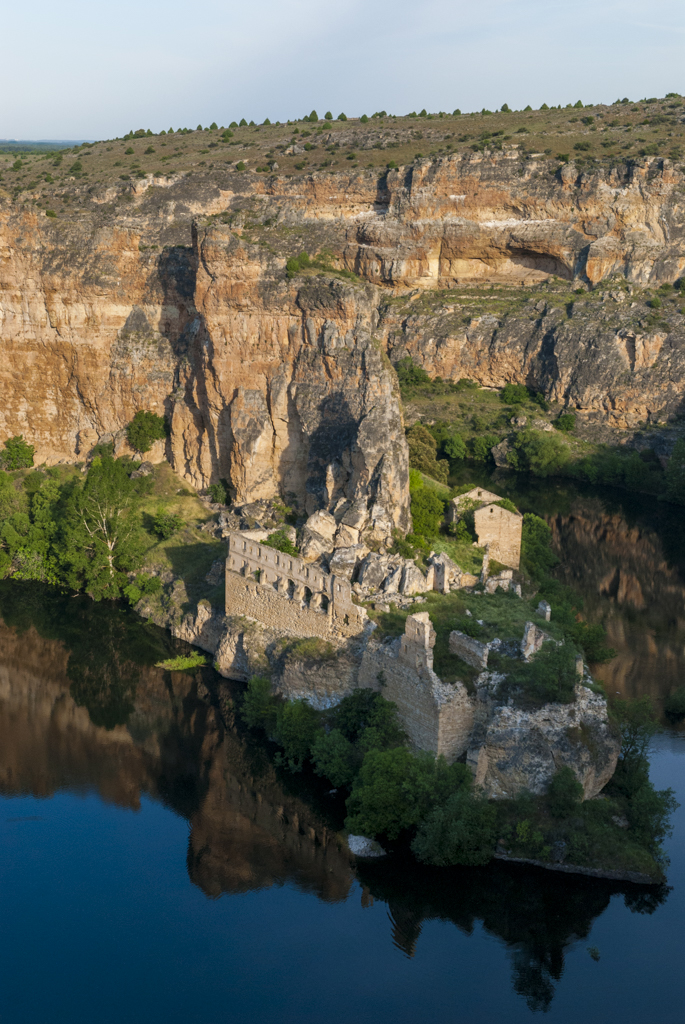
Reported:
(77, 69)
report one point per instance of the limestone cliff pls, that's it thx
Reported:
(171, 294)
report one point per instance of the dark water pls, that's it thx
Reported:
(155, 866)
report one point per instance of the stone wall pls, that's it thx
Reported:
(437, 717)
(500, 529)
(473, 652)
(284, 592)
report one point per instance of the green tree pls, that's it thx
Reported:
(281, 542)
(564, 793)
(461, 831)
(395, 789)
(481, 447)
(550, 676)
(144, 429)
(297, 726)
(455, 447)
(17, 454)
(423, 453)
(427, 511)
(368, 720)
(514, 394)
(259, 706)
(541, 453)
(410, 374)
(335, 758)
(100, 536)
(566, 422)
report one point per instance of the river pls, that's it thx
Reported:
(156, 866)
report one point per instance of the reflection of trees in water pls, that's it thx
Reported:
(537, 914)
(107, 644)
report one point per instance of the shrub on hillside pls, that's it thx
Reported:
(144, 429)
(427, 511)
(17, 453)
(166, 524)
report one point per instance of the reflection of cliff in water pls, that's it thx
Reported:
(64, 665)
(630, 583)
(246, 830)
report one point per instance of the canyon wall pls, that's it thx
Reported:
(171, 295)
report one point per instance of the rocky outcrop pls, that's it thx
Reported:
(513, 750)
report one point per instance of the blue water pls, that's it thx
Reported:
(154, 866)
(100, 923)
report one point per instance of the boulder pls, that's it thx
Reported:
(357, 515)
(393, 580)
(145, 469)
(543, 425)
(322, 523)
(499, 453)
(362, 846)
(374, 570)
(344, 561)
(313, 545)
(413, 581)
(346, 536)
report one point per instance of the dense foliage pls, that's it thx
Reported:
(423, 453)
(17, 453)
(81, 531)
(144, 429)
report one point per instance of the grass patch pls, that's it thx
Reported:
(184, 662)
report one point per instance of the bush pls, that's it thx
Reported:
(342, 117)
(410, 374)
(427, 511)
(566, 422)
(549, 677)
(540, 453)
(281, 542)
(17, 454)
(514, 394)
(142, 586)
(218, 492)
(296, 264)
(240, 166)
(144, 429)
(184, 662)
(166, 524)
(462, 831)
(564, 793)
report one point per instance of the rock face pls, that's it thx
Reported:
(167, 301)
(513, 750)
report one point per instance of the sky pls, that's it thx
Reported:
(76, 69)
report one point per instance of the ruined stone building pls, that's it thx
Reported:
(501, 530)
(496, 527)
(285, 593)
